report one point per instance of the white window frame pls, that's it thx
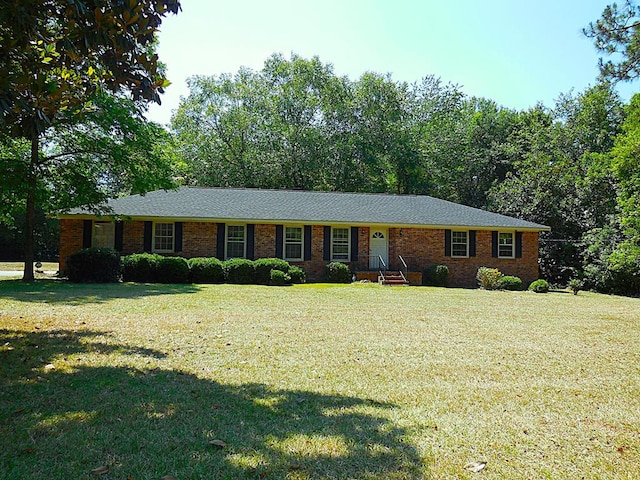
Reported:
(155, 236)
(512, 244)
(95, 236)
(235, 240)
(340, 257)
(458, 243)
(293, 242)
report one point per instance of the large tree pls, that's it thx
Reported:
(563, 178)
(55, 55)
(295, 124)
(617, 34)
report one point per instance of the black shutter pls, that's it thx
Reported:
(251, 229)
(148, 232)
(307, 242)
(447, 243)
(354, 244)
(220, 242)
(119, 233)
(472, 243)
(87, 227)
(279, 240)
(494, 244)
(177, 247)
(518, 244)
(326, 244)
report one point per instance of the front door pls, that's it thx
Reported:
(378, 248)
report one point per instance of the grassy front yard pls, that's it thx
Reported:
(315, 382)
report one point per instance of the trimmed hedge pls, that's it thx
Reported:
(435, 276)
(206, 270)
(140, 267)
(149, 268)
(509, 282)
(539, 286)
(94, 265)
(297, 274)
(264, 267)
(278, 277)
(172, 270)
(239, 271)
(337, 272)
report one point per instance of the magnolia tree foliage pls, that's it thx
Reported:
(54, 54)
(56, 59)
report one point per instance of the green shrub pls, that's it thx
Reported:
(206, 270)
(278, 277)
(140, 267)
(264, 266)
(172, 270)
(94, 265)
(488, 278)
(337, 272)
(435, 276)
(239, 271)
(297, 274)
(539, 286)
(623, 266)
(509, 282)
(575, 285)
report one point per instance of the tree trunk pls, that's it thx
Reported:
(28, 275)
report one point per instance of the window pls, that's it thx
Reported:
(236, 241)
(163, 237)
(505, 245)
(459, 244)
(104, 234)
(293, 243)
(340, 244)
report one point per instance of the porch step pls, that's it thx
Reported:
(392, 278)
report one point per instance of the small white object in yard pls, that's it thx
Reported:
(475, 467)
(100, 470)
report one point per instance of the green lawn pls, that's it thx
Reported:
(315, 382)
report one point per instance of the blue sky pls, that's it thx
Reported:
(515, 52)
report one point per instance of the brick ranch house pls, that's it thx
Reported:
(311, 229)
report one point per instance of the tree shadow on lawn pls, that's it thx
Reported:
(60, 423)
(63, 292)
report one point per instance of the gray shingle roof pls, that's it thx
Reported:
(294, 206)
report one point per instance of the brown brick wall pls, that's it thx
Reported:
(362, 262)
(419, 247)
(199, 239)
(70, 239)
(315, 266)
(265, 241)
(132, 238)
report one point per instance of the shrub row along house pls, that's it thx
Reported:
(310, 229)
